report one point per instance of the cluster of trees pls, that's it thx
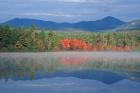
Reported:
(28, 39)
(21, 39)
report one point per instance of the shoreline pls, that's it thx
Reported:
(75, 52)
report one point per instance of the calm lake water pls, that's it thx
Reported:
(70, 72)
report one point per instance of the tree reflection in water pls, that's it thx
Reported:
(35, 66)
(73, 60)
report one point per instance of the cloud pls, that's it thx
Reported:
(49, 14)
(72, 0)
(69, 1)
(69, 10)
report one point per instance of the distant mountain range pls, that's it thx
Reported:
(132, 25)
(106, 23)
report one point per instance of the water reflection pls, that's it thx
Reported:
(104, 67)
(73, 60)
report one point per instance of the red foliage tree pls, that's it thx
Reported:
(65, 43)
(73, 44)
(126, 48)
(120, 48)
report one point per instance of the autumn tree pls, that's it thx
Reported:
(40, 44)
(51, 40)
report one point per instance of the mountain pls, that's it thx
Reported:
(132, 25)
(102, 24)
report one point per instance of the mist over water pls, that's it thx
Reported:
(63, 72)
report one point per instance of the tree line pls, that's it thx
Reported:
(29, 39)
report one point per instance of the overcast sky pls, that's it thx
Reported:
(69, 10)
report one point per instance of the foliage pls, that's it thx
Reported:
(21, 39)
(73, 44)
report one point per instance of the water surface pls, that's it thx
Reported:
(70, 72)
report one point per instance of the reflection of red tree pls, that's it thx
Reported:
(72, 60)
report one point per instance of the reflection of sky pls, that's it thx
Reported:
(68, 85)
(69, 10)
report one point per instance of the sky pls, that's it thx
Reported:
(69, 10)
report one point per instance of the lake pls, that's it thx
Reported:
(70, 72)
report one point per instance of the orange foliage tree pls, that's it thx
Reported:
(74, 44)
(65, 43)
